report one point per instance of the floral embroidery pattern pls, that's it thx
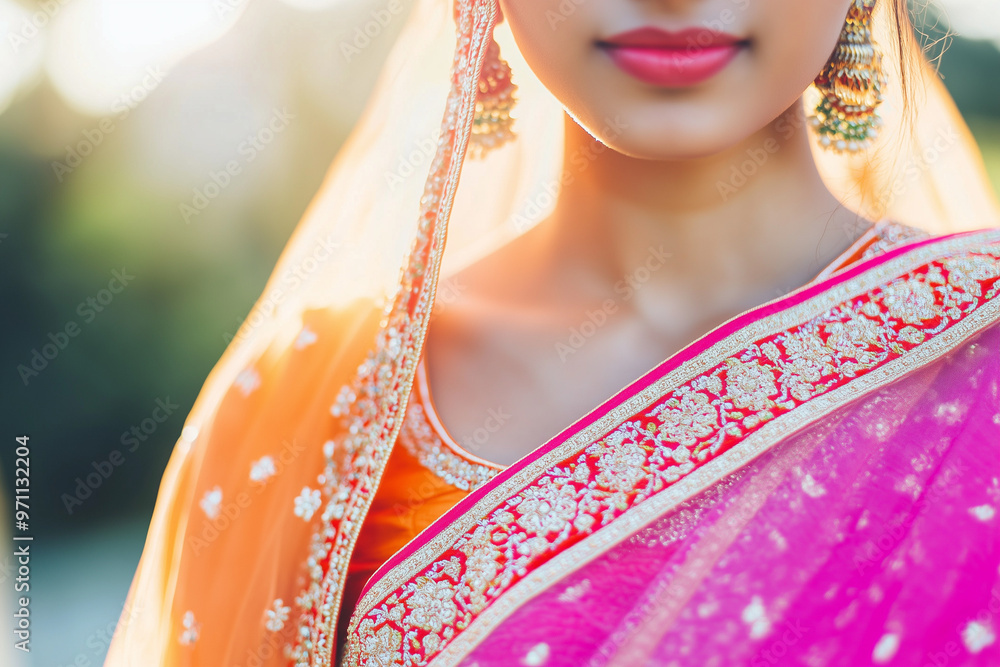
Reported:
(432, 605)
(248, 380)
(705, 417)
(687, 418)
(983, 512)
(890, 235)
(977, 636)
(276, 615)
(262, 469)
(307, 502)
(306, 338)
(369, 407)
(191, 629)
(380, 648)
(210, 502)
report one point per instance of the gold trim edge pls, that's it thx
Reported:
(752, 447)
(767, 326)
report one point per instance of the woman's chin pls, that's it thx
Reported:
(677, 141)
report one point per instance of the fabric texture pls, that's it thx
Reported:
(871, 538)
(426, 475)
(429, 472)
(266, 493)
(692, 426)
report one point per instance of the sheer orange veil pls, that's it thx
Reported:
(393, 183)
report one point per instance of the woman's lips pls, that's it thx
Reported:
(672, 59)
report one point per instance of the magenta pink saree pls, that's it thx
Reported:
(814, 483)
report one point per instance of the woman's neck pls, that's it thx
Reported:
(652, 255)
(739, 227)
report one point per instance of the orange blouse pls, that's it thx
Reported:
(425, 476)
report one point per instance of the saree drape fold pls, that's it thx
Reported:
(868, 538)
(830, 460)
(855, 418)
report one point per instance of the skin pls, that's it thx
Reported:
(650, 189)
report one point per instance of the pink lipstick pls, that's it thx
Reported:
(672, 59)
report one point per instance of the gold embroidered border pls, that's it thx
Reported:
(316, 646)
(702, 478)
(704, 361)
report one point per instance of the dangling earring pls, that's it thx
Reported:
(493, 126)
(846, 119)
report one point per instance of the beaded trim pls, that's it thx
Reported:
(425, 437)
(369, 409)
(422, 442)
(890, 235)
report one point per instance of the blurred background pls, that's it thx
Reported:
(155, 155)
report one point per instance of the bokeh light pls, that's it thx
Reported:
(21, 54)
(974, 19)
(100, 48)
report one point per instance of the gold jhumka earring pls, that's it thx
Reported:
(846, 118)
(493, 125)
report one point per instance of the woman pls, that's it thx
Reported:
(810, 482)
